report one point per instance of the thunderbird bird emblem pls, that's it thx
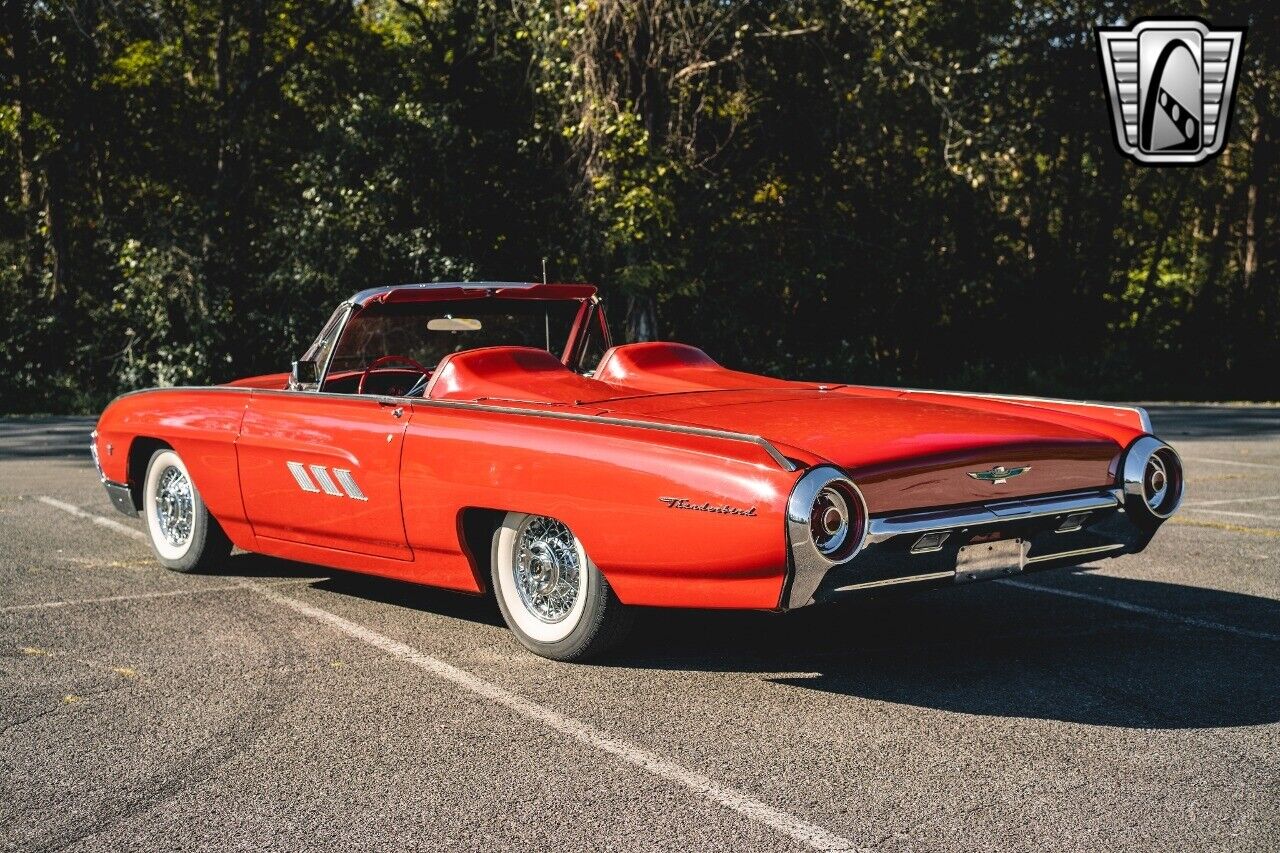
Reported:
(1170, 82)
(1000, 474)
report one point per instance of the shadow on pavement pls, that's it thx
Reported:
(457, 605)
(986, 649)
(1004, 651)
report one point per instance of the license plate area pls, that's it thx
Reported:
(983, 560)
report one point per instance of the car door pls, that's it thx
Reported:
(324, 470)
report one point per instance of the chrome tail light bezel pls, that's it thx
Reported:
(1152, 479)
(810, 562)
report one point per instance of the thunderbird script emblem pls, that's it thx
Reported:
(999, 474)
(1170, 83)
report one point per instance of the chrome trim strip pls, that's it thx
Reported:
(348, 483)
(763, 443)
(1079, 552)
(323, 373)
(322, 477)
(359, 299)
(885, 528)
(300, 477)
(931, 576)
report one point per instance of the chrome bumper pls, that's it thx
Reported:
(121, 497)
(120, 493)
(929, 546)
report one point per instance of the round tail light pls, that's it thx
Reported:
(1153, 478)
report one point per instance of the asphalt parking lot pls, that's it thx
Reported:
(1129, 704)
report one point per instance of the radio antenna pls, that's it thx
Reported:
(544, 270)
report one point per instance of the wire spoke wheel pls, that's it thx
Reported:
(551, 594)
(183, 534)
(546, 568)
(175, 508)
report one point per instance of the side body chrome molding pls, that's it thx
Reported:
(764, 444)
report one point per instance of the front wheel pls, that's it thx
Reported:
(551, 595)
(184, 536)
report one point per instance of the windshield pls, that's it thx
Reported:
(428, 331)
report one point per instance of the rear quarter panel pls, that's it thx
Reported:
(606, 483)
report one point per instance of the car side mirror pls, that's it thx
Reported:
(304, 373)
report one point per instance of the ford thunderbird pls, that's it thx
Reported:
(488, 437)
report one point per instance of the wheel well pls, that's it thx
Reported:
(476, 526)
(140, 452)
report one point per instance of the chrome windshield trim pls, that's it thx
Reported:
(360, 299)
(763, 443)
(348, 309)
(889, 527)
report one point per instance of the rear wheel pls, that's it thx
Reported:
(551, 595)
(184, 536)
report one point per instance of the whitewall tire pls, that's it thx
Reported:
(551, 595)
(183, 535)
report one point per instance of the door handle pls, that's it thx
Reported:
(398, 411)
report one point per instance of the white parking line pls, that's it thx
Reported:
(1232, 501)
(1232, 462)
(1146, 611)
(140, 596)
(784, 822)
(108, 523)
(744, 804)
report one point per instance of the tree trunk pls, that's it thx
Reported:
(641, 321)
(18, 57)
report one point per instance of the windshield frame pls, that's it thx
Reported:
(588, 312)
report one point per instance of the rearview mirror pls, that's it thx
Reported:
(453, 324)
(304, 373)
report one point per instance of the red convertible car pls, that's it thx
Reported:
(487, 436)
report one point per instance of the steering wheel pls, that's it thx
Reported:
(388, 359)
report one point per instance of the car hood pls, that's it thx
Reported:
(903, 452)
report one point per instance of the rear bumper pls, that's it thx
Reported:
(921, 548)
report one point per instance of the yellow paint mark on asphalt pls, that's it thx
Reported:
(337, 664)
(33, 651)
(1224, 525)
(127, 672)
(70, 699)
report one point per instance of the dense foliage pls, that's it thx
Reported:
(916, 192)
